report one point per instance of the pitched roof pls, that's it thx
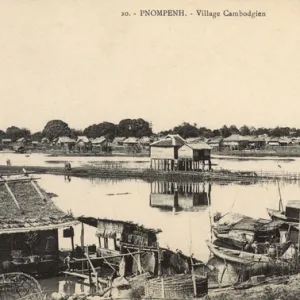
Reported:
(65, 139)
(24, 207)
(215, 140)
(199, 146)
(131, 140)
(171, 140)
(82, 138)
(236, 138)
(99, 140)
(95, 223)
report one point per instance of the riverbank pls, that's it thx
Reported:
(150, 174)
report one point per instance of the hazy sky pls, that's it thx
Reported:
(81, 62)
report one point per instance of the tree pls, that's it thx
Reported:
(233, 130)
(244, 130)
(37, 136)
(134, 127)
(2, 134)
(206, 132)
(106, 129)
(55, 129)
(216, 132)
(186, 130)
(225, 131)
(14, 133)
(74, 133)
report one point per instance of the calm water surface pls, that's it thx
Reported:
(232, 163)
(185, 227)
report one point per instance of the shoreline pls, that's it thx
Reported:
(152, 175)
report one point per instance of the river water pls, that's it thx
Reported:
(185, 224)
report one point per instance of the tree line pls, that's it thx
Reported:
(139, 128)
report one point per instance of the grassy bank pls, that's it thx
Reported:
(289, 291)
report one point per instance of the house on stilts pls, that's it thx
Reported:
(174, 153)
(29, 223)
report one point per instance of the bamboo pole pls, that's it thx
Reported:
(13, 196)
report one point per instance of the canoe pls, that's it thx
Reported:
(237, 256)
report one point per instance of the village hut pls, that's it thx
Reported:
(137, 246)
(258, 142)
(100, 144)
(194, 156)
(6, 142)
(215, 143)
(65, 142)
(236, 142)
(83, 143)
(164, 153)
(29, 223)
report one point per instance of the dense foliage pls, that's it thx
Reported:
(139, 128)
(55, 129)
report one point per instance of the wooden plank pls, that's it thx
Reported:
(107, 257)
(83, 276)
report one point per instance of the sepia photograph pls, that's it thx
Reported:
(149, 149)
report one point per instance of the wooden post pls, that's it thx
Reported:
(194, 278)
(162, 288)
(159, 272)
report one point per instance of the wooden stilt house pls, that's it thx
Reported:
(29, 223)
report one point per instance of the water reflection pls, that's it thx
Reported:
(178, 196)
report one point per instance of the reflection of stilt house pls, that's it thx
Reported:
(174, 153)
(180, 196)
(29, 223)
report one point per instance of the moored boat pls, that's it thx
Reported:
(236, 256)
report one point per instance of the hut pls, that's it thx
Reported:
(29, 223)
(164, 153)
(215, 143)
(65, 142)
(236, 142)
(118, 141)
(187, 196)
(100, 144)
(258, 142)
(6, 142)
(83, 143)
(194, 156)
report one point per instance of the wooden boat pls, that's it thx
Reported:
(236, 256)
(227, 240)
(237, 230)
(291, 212)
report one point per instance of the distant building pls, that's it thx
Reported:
(236, 142)
(215, 143)
(100, 144)
(258, 142)
(6, 142)
(131, 141)
(45, 141)
(83, 143)
(65, 142)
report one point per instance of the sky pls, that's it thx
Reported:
(81, 62)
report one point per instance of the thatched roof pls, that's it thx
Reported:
(65, 139)
(171, 140)
(95, 221)
(82, 138)
(24, 207)
(131, 140)
(99, 140)
(236, 138)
